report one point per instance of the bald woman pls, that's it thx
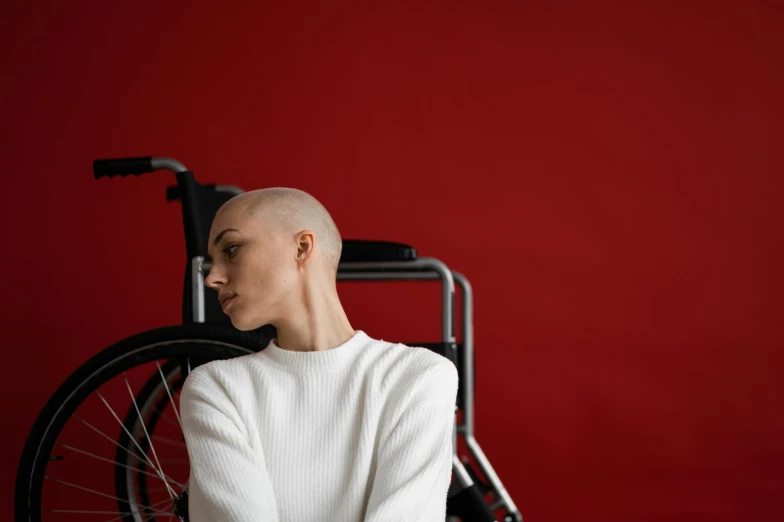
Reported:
(326, 423)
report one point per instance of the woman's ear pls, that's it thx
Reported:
(306, 242)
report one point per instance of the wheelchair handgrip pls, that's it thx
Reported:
(122, 166)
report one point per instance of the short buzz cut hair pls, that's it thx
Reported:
(290, 211)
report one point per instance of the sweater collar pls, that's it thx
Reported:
(322, 360)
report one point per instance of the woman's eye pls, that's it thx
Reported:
(230, 250)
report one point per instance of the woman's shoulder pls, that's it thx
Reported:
(405, 365)
(222, 373)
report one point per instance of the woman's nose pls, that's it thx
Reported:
(215, 278)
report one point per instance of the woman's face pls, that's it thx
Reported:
(253, 269)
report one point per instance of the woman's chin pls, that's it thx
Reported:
(242, 324)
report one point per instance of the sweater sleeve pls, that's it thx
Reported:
(414, 464)
(228, 480)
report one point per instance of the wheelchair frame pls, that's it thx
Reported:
(420, 268)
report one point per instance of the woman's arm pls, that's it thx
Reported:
(415, 454)
(228, 480)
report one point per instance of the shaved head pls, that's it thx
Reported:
(274, 256)
(286, 212)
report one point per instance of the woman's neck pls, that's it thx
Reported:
(316, 322)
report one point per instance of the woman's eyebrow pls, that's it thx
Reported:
(220, 236)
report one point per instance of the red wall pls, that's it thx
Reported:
(607, 177)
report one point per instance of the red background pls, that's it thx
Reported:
(607, 175)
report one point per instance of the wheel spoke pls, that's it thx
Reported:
(176, 462)
(133, 439)
(77, 450)
(168, 392)
(168, 509)
(170, 442)
(156, 490)
(126, 450)
(144, 427)
(76, 486)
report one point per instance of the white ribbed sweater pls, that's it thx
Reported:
(360, 432)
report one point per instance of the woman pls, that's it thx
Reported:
(326, 423)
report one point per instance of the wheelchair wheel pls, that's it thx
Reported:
(82, 458)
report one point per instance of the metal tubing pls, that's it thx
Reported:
(420, 264)
(197, 286)
(491, 475)
(461, 474)
(168, 163)
(467, 377)
(231, 189)
(386, 276)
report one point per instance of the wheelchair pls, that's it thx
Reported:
(129, 390)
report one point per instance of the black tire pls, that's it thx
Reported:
(201, 341)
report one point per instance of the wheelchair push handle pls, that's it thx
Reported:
(136, 166)
(122, 167)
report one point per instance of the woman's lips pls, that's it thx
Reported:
(226, 302)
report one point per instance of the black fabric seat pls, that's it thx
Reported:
(363, 251)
